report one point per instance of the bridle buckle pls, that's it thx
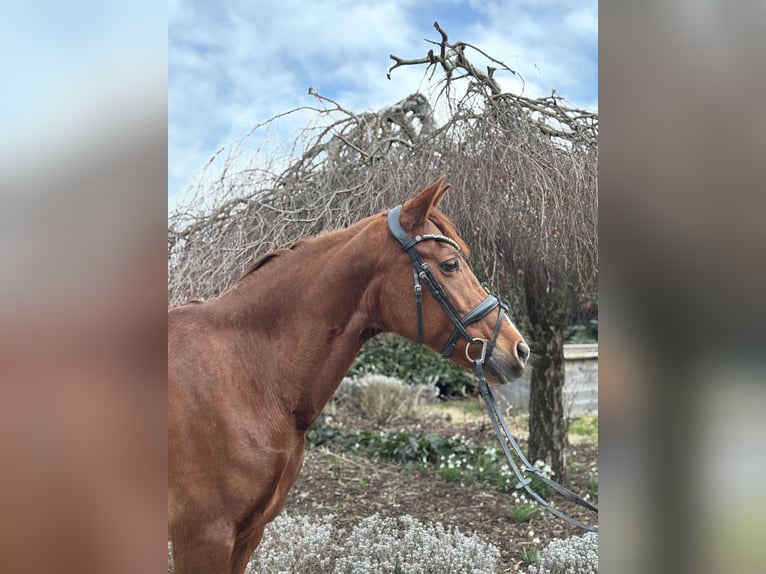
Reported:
(484, 343)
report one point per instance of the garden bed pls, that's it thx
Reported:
(354, 482)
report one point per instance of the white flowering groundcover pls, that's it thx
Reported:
(400, 546)
(374, 546)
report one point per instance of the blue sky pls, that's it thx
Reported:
(71, 71)
(234, 63)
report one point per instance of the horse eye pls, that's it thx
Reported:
(450, 266)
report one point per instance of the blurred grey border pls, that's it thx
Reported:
(83, 206)
(682, 359)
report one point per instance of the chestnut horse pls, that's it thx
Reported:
(250, 370)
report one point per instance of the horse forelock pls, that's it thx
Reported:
(447, 228)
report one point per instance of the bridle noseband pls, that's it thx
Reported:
(422, 272)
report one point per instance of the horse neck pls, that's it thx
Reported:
(308, 312)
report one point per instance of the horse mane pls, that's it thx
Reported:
(442, 222)
(271, 256)
(447, 228)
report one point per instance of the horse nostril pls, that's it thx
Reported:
(522, 351)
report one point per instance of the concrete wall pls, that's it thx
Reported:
(580, 386)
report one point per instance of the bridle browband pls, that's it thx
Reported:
(422, 272)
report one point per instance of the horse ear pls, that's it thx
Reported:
(415, 211)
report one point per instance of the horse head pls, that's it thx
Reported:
(448, 309)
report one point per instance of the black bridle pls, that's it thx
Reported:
(421, 272)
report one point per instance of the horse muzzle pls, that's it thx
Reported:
(504, 369)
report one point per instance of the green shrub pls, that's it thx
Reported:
(394, 356)
(582, 333)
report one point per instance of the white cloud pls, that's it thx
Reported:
(551, 44)
(234, 64)
(583, 21)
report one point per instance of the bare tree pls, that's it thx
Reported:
(342, 167)
(526, 168)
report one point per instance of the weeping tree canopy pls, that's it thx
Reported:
(524, 169)
(524, 175)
